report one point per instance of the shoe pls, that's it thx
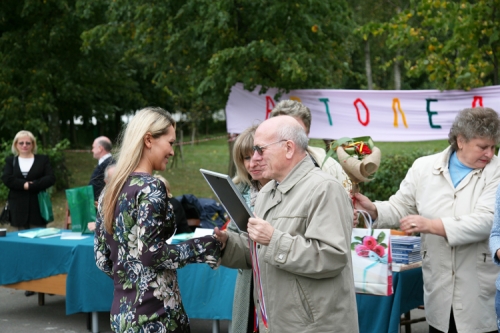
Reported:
(29, 293)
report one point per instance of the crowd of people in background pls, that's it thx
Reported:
(294, 260)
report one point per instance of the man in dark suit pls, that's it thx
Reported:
(101, 151)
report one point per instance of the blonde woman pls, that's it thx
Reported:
(133, 224)
(26, 174)
(180, 215)
(249, 181)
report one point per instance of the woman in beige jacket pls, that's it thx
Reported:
(449, 199)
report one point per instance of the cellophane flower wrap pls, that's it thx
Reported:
(359, 157)
(371, 259)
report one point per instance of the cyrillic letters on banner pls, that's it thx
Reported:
(385, 115)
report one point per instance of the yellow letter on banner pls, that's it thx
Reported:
(295, 98)
(397, 103)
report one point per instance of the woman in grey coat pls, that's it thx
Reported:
(249, 181)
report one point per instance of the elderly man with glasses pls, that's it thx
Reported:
(298, 249)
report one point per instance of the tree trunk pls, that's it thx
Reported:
(495, 69)
(54, 128)
(231, 171)
(368, 66)
(397, 69)
(117, 125)
(193, 133)
(397, 72)
(72, 131)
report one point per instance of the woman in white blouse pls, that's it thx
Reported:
(26, 174)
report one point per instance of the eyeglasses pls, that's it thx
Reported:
(22, 143)
(260, 150)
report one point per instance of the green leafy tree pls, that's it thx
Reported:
(457, 42)
(197, 50)
(46, 81)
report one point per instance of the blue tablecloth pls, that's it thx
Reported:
(25, 259)
(377, 314)
(206, 293)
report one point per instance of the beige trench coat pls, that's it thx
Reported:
(306, 269)
(458, 270)
(330, 166)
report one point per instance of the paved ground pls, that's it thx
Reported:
(21, 314)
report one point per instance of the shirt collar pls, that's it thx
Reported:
(105, 157)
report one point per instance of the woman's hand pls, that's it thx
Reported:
(417, 223)
(26, 186)
(221, 236)
(365, 204)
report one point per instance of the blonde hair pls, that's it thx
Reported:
(153, 120)
(241, 149)
(165, 181)
(20, 134)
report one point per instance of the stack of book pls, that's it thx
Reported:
(405, 249)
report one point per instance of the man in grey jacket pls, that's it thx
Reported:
(302, 261)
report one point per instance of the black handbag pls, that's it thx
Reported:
(5, 216)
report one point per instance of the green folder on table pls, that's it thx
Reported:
(81, 208)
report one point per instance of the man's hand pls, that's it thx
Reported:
(221, 236)
(260, 231)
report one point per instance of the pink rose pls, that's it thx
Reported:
(380, 250)
(362, 250)
(370, 242)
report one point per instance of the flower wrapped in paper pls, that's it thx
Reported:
(359, 157)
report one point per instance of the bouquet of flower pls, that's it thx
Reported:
(358, 157)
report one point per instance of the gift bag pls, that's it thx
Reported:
(371, 259)
(81, 208)
(45, 206)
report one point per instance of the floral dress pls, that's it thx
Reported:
(141, 263)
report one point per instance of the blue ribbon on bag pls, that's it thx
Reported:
(371, 255)
(378, 259)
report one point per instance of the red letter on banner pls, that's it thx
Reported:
(269, 106)
(365, 123)
(477, 99)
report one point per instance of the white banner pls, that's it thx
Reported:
(385, 115)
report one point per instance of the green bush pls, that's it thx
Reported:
(392, 171)
(57, 161)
